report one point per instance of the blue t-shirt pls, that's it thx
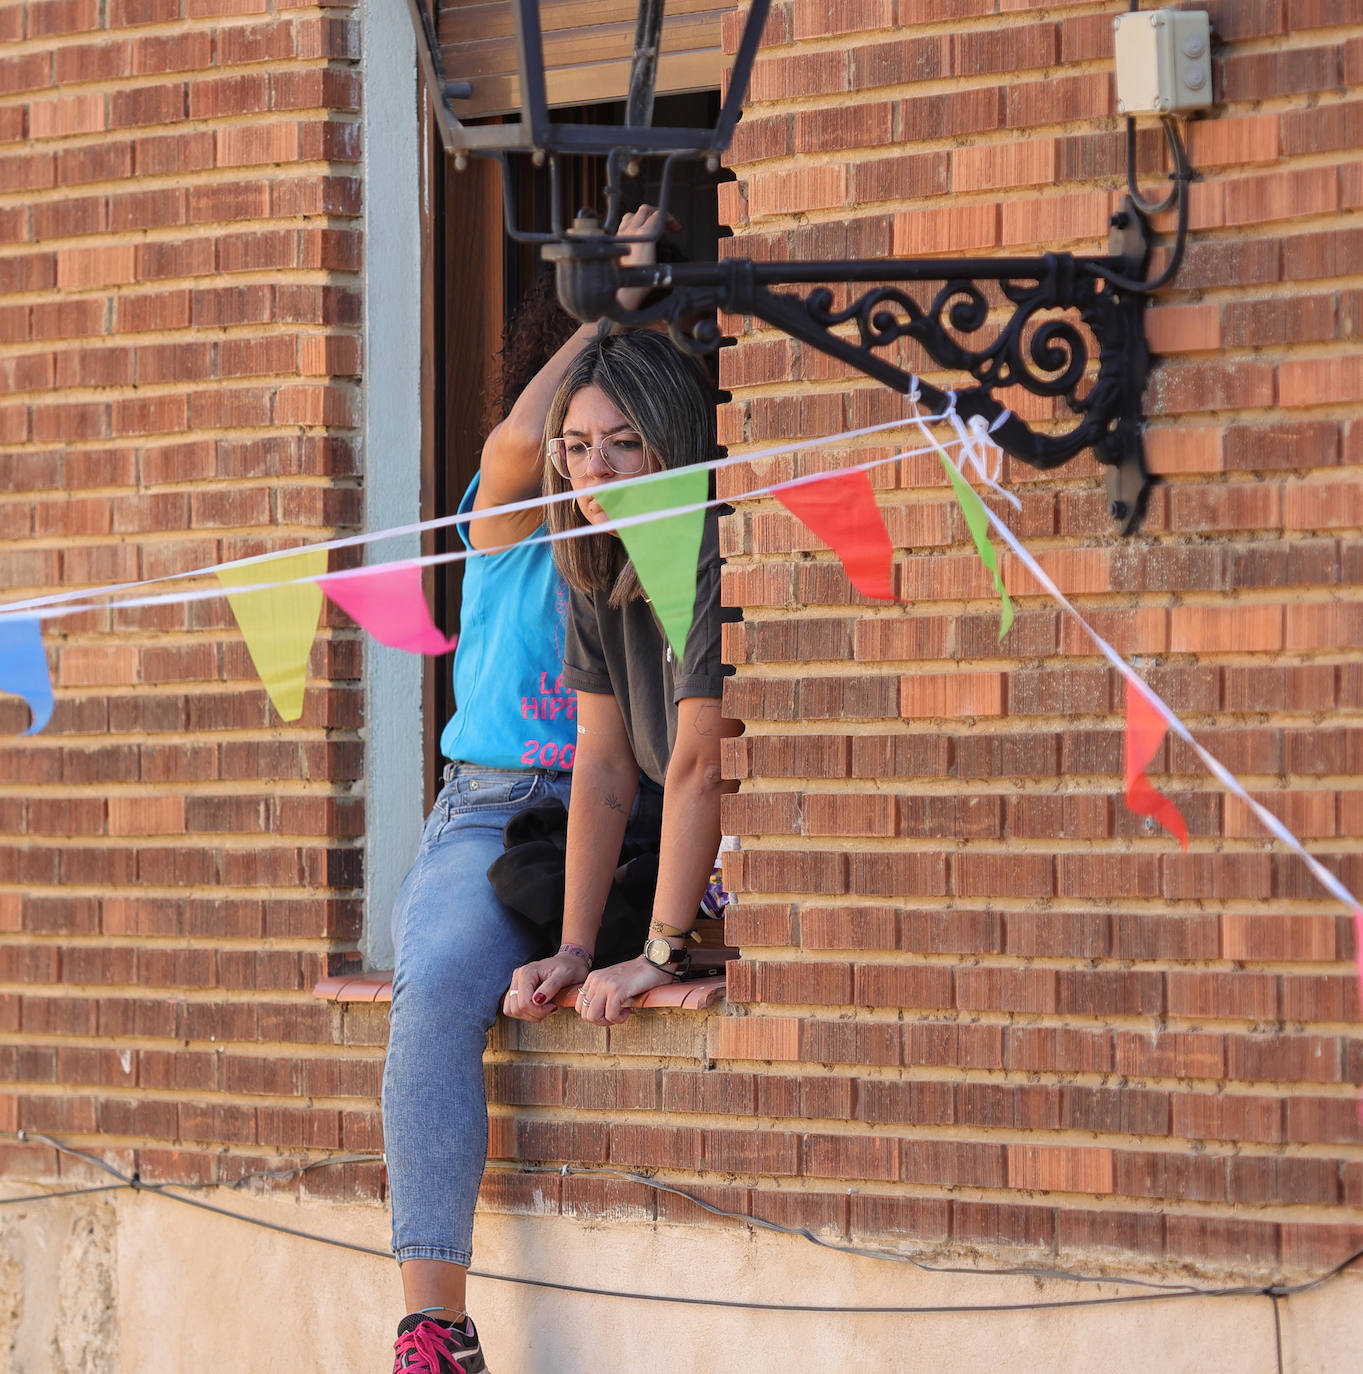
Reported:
(512, 709)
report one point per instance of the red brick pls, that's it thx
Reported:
(951, 694)
(925, 1218)
(954, 1045)
(1302, 319)
(1247, 1243)
(1289, 72)
(1055, 1049)
(1170, 1055)
(898, 178)
(991, 1223)
(32, 271)
(1219, 629)
(1241, 263)
(49, 18)
(760, 1152)
(896, 874)
(833, 130)
(1138, 1233)
(917, 1103)
(1049, 1168)
(905, 60)
(1224, 876)
(1164, 936)
(1320, 381)
(1107, 875)
(1110, 992)
(851, 1157)
(1125, 1111)
(682, 1147)
(1234, 142)
(1229, 1117)
(805, 982)
(847, 1042)
(1281, 195)
(1073, 934)
(989, 166)
(977, 51)
(947, 230)
(826, 813)
(765, 1037)
(1320, 997)
(903, 986)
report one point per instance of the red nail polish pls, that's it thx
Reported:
(538, 999)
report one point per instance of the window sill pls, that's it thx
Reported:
(693, 995)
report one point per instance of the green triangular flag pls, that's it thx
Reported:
(665, 551)
(977, 519)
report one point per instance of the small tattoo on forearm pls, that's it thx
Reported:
(614, 802)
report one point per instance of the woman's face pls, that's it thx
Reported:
(590, 421)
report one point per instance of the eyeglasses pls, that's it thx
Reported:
(623, 454)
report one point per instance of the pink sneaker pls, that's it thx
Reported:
(427, 1346)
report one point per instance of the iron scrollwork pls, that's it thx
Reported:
(1095, 364)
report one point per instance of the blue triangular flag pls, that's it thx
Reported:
(23, 667)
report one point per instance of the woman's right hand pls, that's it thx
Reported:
(533, 986)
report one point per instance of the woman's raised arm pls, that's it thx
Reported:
(512, 464)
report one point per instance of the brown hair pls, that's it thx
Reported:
(534, 331)
(667, 396)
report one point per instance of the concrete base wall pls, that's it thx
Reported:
(123, 1283)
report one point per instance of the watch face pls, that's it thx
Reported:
(658, 952)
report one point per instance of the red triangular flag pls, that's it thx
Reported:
(1145, 731)
(841, 509)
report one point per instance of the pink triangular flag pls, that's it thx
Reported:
(841, 509)
(390, 603)
(1145, 731)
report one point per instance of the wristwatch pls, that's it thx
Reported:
(659, 952)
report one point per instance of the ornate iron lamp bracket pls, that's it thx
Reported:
(1036, 346)
(1067, 330)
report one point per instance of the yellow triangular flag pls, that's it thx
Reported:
(279, 623)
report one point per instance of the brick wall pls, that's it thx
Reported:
(975, 986)
(179, 355)
(979, 1004)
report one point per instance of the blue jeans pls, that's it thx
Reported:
(456, 949)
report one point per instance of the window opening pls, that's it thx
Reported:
(474, 282)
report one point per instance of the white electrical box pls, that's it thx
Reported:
(1164, 61)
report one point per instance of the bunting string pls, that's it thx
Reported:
(279, 627)
(74, 606)
(1156, 703)
(542, 502)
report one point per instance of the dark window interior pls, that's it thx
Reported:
(474, 276)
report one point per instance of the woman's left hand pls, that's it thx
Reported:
(607, 994)
(638, 224)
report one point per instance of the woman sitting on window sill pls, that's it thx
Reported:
(631, 404)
